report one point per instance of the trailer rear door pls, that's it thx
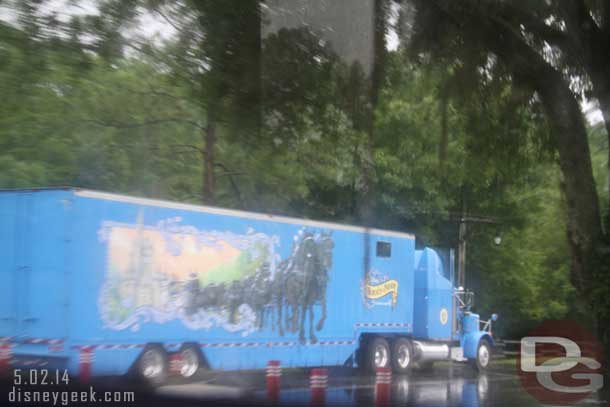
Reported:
(38, 300)
(8, 229)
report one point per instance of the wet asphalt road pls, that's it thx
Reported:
(447, 384)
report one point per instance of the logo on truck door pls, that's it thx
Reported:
(378, 286)
(209, 278)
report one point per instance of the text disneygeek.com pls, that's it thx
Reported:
(66, 397)
(54, 394)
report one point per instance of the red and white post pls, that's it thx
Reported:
(383, 386)
(175, 364)
(84, 363)
(318, 382)
(274, 373)
(5, 359)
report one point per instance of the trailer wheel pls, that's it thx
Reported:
(402, 356)
(377, 354)
(481, 361)
(152, 366)
(190, 361)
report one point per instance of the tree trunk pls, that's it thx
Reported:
(603, 97)
(209, 140)
(588, 48)
(584, 220)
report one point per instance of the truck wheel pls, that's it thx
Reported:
(190, 361)
(152, 366)
(402, 356)
(377, 354)
(481, 362)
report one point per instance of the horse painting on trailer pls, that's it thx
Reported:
(208, 278)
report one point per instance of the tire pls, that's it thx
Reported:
(191, 361)
(152, 366)
(377, 355)
(402, 356)
(483, 357)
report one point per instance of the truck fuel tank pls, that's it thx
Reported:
(430, 351)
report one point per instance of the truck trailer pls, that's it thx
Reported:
(102, 284)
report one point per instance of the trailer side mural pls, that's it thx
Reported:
(208, 278)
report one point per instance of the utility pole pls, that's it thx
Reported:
(463, 238)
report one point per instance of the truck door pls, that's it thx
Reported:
(433, 297)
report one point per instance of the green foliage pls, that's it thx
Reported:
(526, 278)
(134, 123)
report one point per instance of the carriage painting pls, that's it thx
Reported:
(214, 279)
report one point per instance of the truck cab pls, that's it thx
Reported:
(443, 324)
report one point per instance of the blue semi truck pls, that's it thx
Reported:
(105, 284)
